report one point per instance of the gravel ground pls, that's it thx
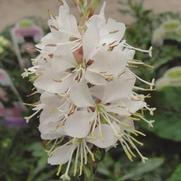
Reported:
(13, 10)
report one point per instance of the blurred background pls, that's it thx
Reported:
(149, 22)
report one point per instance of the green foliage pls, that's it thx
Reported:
(168, 113)
(22, 155)
(143, 168)
(176, 175)
(119, 169)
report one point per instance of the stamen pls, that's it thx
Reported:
(112, 126)
(140, 63)
(76, 160)
(128, 147)
(139, 153)
(33, 93)
(52, 148)
(118, 121)
(149, 122)
(90, 152)
(138, 49)
(126, 150)
(59, 170)
(93, 127)
(99, 125)
(31, 105)
(151, 84)
(81, 160)
(85, 153)
(65, 175)
(151, 110)
(136, 132)
(143, 89)
(135, 140)
(34, 114)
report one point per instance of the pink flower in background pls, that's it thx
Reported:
(12, 116)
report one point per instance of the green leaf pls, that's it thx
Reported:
(142, 168)
(88, 173)
(163, 56)
(176, 175)
(38, 152)
(167, 116)
(167, 126)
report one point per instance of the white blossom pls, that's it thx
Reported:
(88, 91)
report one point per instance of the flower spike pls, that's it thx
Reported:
(89, 97)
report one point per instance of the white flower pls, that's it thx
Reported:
(51, 130)
(101, 32)
(115, 98)
(88, 97)
(114, 91)
(104, 140)
(81, 148)
(64, 31)
(55, 110)
(65, 73)
(78, 125)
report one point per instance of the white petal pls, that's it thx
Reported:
(125, 107)
(50, 114)
(98, 20)
(50, 136)
(61, 155)
(128, 54)
(120, 110)
(120, 88)
(102, 11)
(128, 124)
(110, 62)
(51, 104)
(65, 48)
(97, 92)
(79, 124)
(112, 31)
(95, 78)
(80, 95)
(47, 40)
(107, 140)
(90, 42)
(62, 63)
(49, 83)
(134, 106)
(51, 130)
(67, 22)
(51, 99)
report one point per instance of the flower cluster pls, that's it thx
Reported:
(88, 97)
